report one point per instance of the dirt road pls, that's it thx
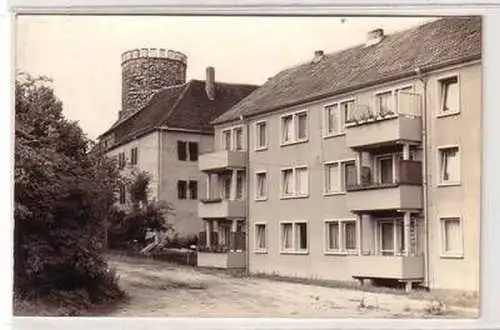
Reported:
(161, 289)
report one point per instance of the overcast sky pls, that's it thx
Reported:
(82, 53)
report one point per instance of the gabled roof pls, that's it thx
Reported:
(436, 44)
(185, 107)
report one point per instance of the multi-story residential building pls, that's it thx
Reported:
(163, 126)
(361, 164)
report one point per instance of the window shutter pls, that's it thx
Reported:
(193, 189)
(193, 151)
(181, 150)
(181, 189)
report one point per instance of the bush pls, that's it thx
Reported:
(128, 227)
(63, 197)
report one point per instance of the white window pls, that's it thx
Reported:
(226, 139)
(261, 185)
(226, 186)
(301, 120)
(287, 188)
(238, 138)
(260, 135)
(385, 169)
(260, 237)
(294, 127)
(332, 178)
(302, 182)
(294, 237)
(287, 129)
(449, 167)
(340, 175)
(449, 95)
(336, 116)
(405, 100)
(232, 138)
(340, 236)
(387, 233)
(239, 184)
(384, 103)
(294, 182)
(451, 230)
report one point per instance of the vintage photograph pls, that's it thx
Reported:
(247, 166)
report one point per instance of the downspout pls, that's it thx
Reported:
(425, 184)
(247, 206)
(159, 163)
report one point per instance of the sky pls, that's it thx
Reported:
(82, 54)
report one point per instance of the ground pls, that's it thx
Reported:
(161, 289)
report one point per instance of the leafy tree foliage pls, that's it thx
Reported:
(63, 197)
(144, 214)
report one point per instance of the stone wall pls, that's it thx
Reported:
(144, 74)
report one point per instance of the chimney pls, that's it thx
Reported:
(210, 82)
(318, 56)
(374, 37)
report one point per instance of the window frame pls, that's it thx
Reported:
(294, 249)
(232, 138)
(394, 99)
(189, 187)
(342, 182)
(256, 196)
(179, 183)
(257, 125)
(122, 195)
(342, 250)
(256, 248)
(294, 181)
(439, 100)
(378, 169)
(343, 117)
(193, 157)
(223, 138)
(295, 127)
(440, 182)
(451, 254)
(134, 155)
(179, 148)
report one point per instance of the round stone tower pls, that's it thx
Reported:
(145, 71)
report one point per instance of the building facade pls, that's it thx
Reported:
(362, 164)
(164, 126)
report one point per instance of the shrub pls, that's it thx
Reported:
(63, 195)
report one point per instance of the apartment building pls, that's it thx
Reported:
(163, 126)
(360, 164)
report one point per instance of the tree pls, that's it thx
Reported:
(145, 214)
(63, 196)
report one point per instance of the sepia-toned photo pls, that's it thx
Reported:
(247, 166)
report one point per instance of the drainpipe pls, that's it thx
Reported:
(425, 172)
(159, 164)
(246, 123)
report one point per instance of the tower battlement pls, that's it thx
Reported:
(153, 53)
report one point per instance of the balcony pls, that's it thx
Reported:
(221, 208)
(404, 193)
(387, 267)
(222, 160)
(222, 260)
(367, 127)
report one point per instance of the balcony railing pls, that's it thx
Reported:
(407, 105)
(410, 173)
(237, 242)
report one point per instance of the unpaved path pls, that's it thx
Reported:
(161, 289)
